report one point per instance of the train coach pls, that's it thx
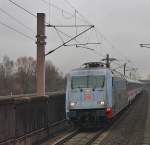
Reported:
(95, 92)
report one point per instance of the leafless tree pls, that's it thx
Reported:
(20, 77)
(25, 75)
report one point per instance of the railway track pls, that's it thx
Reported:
(78, 137)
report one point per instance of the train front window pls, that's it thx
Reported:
(79, 82)
(87, 82)
(96, 81)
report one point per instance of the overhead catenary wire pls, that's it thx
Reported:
(68, 17)
(91, 49)
(49, 11)
(58, 31)
(96, 31)
(17, 31)
(56, 7)
(64, 11)
(49, 8)
(98, 39)
(112, 47)
(63, 26)
(75, 25)
(21, 7)
(59, 35)
(103, 37)
(77, 42)
(76, 22)
(16, 20)
(98, 54)
(86, 47)
(83, 17)
(65, 34)
(83, 44)
(95, 28)
(62, 32)
(69, 40)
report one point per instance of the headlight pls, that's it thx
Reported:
(72, 104)
(101, 102)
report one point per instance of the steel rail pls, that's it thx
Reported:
(67, 137)
(7, 141)
(57, 123)
(95, 137)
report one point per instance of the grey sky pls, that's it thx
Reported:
(125, 23)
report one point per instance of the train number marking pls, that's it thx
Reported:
(88, 98)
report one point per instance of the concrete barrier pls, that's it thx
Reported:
(27, 120)
(7, 119)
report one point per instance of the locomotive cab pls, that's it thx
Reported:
(88, 94)
(95, 92)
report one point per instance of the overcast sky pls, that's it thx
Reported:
(123, 25)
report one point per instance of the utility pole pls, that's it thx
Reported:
(40, 66)
(124, 69)
(108, 60)
(130, 75)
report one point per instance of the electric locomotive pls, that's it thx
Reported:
(95, 92)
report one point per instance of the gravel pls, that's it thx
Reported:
(129, 127)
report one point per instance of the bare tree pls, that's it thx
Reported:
(54, 79)
(25, 75)
(6, 76)
(20, 77)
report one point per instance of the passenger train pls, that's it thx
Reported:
(95, 92)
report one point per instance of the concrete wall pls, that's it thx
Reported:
(6, 119)
(26, 120)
